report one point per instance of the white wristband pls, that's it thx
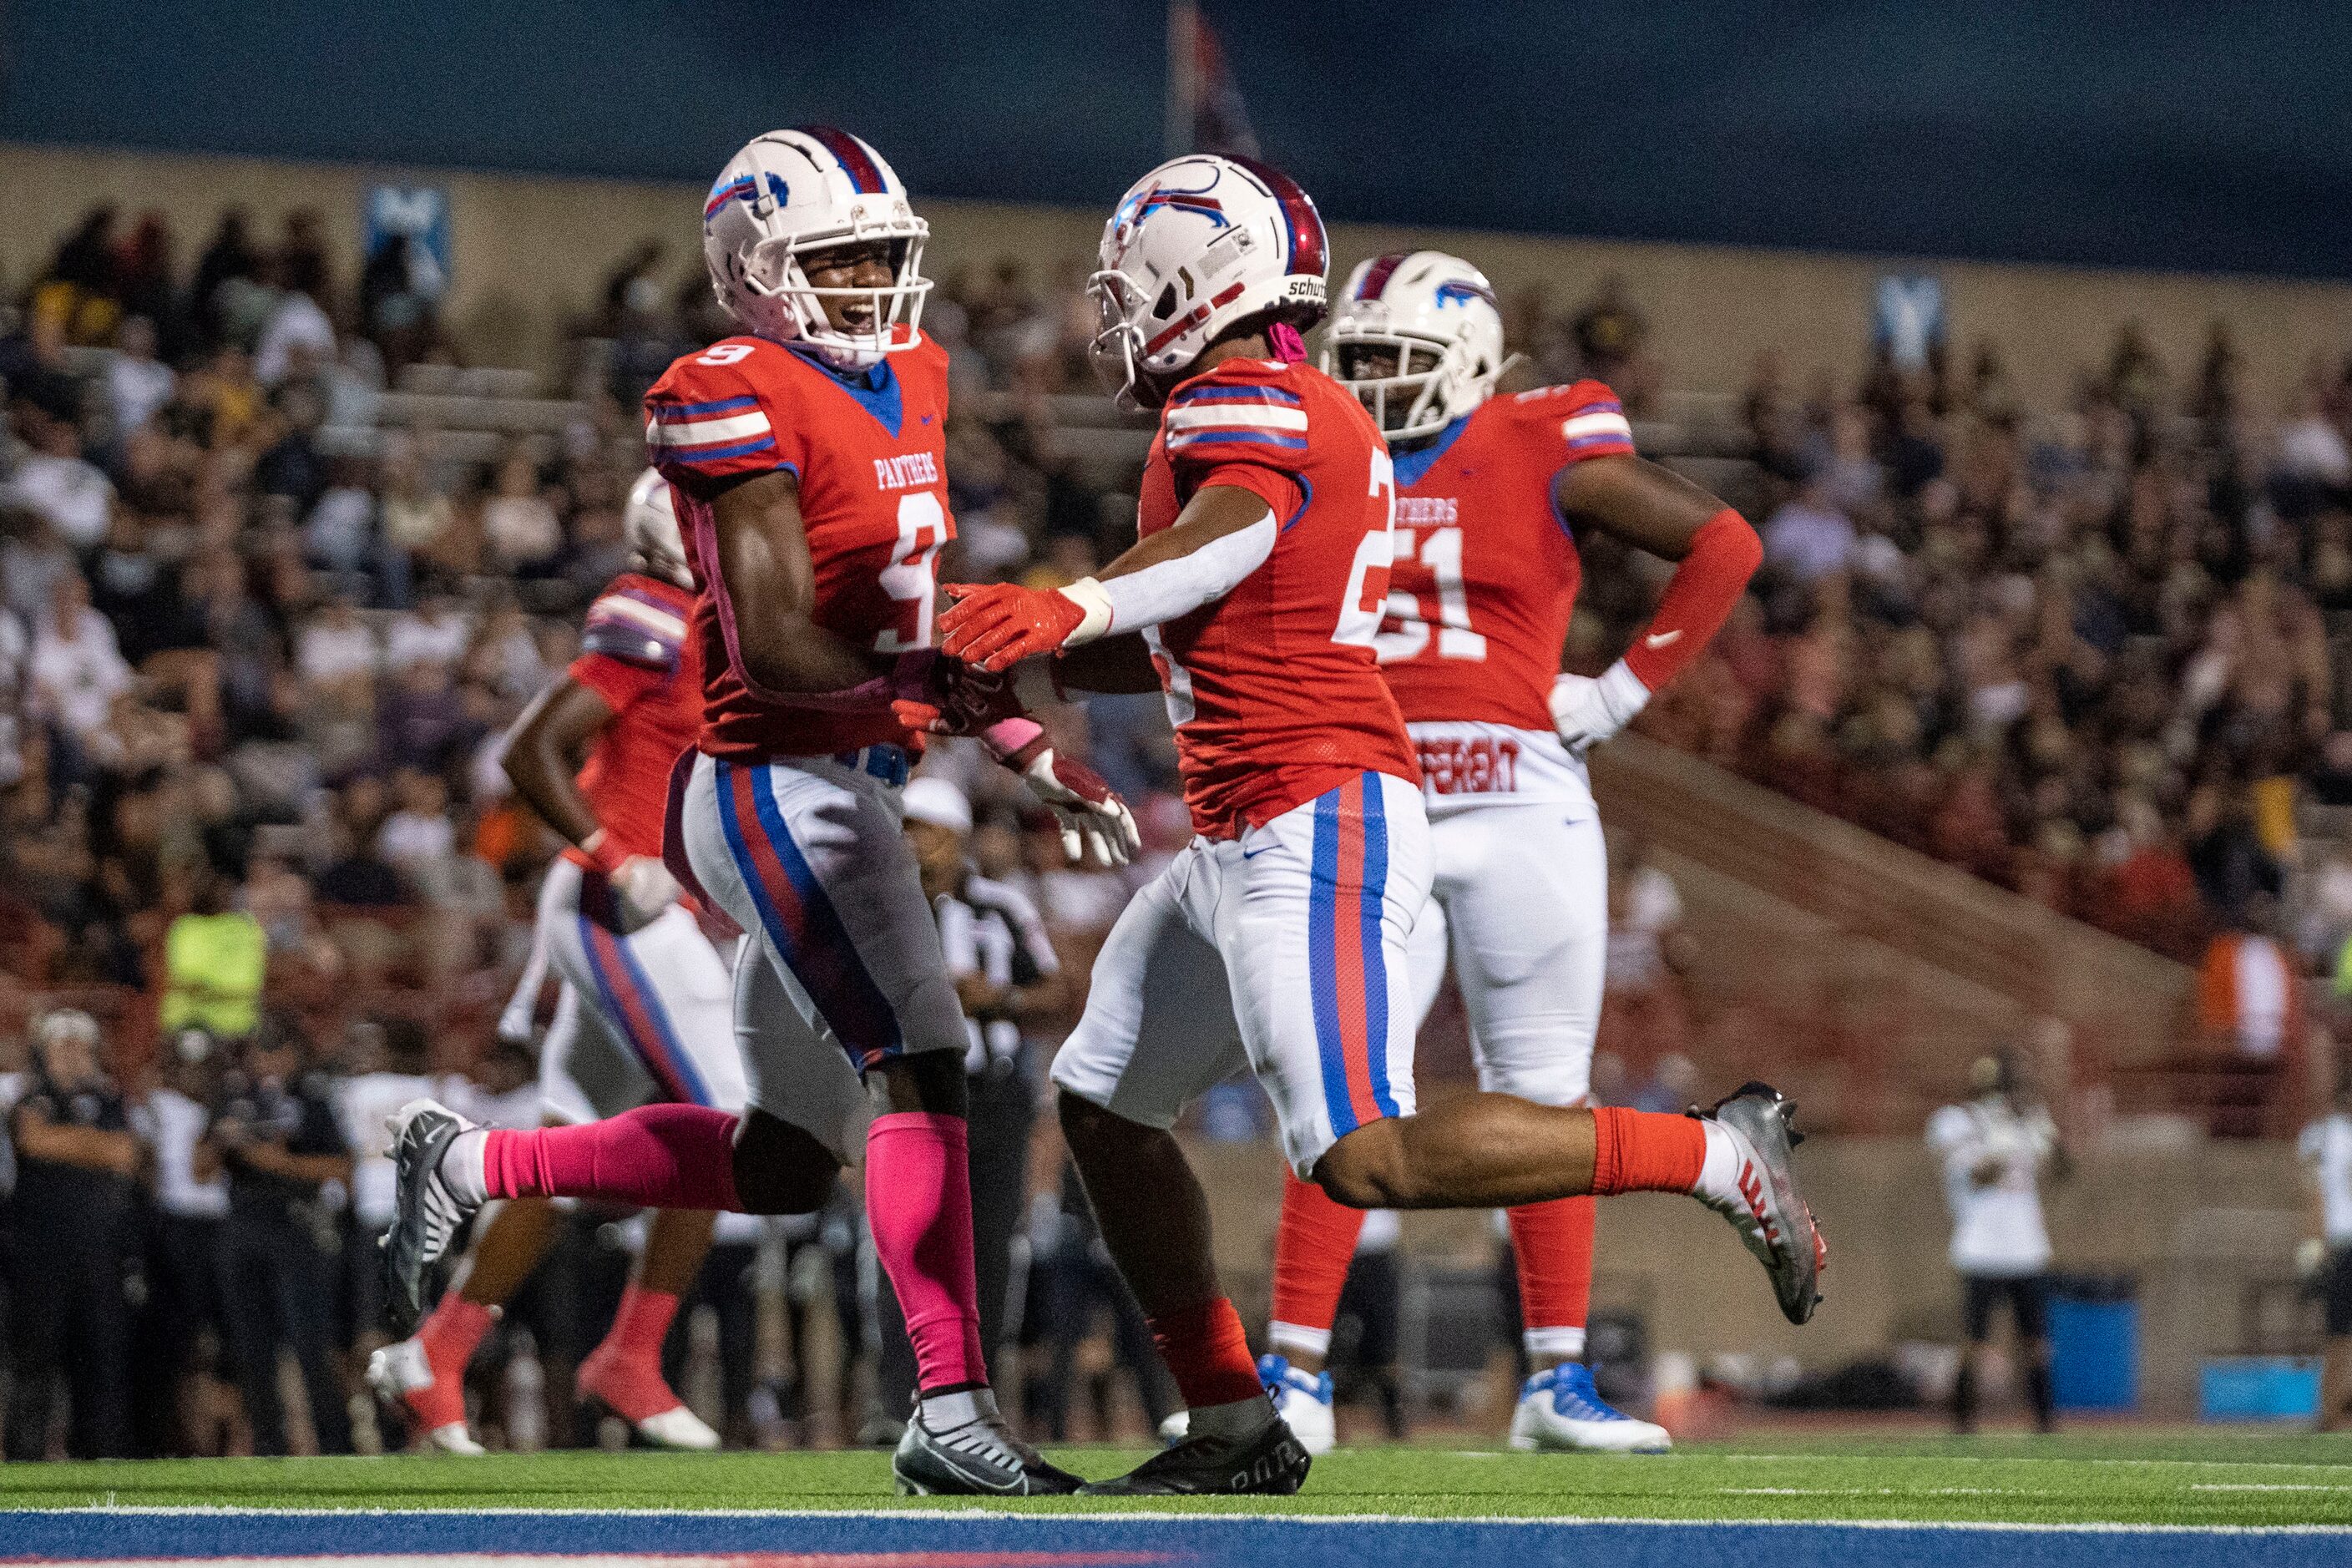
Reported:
(1091, 597)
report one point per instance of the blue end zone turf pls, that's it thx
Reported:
(973, 1540)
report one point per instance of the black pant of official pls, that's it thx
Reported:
(69, 1312)
(726, 1286)
(1003, 1110)
(187, 1292)
(282, 1288)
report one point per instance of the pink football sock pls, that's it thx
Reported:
(660, 1156)
(918, 1203)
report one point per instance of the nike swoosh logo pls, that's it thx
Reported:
(1662, 639)
(1253, 854)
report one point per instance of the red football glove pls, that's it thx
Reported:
(997, 625)
(957, 699)
(1097, 830)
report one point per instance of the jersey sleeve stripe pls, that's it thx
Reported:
(1233, 394)
(707, 431)
(653, 622)
(1596, 426)
(700, 455)
(1246, 415)
(1195, 442)
(698, 410)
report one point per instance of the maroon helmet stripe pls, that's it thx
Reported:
(1376, 278)
(1307, 251)
(865, 177)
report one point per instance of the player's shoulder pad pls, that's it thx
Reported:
(1585, 416)
(714, 412)
(1243, 410)
(638, 621)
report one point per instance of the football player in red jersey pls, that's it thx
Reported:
(1491, 491)
(808, 459)
(1258, 586)
(644, 1014)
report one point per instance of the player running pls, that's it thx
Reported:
(1490, 492)
(1258, 586)
(807, 456)
(645, 1014)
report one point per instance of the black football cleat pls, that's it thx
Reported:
(978, 1457)
(1771, 1215)
(429, 1216)
(1269, 1463)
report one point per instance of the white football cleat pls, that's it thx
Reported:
(1560, 1411)
(677, 1428)
(1304, 1401)
(402, 1374)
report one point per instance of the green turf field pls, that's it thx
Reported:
(2205, 1478)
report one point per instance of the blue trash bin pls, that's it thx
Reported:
(2095, 1343)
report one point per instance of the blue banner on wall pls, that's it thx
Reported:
(420, 215)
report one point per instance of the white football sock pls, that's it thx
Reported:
(462, 1169)
(1718, 1175)
(945, 1412)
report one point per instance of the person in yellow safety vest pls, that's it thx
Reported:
(214, 959)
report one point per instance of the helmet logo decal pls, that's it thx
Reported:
(1460, 291)
(728, 190)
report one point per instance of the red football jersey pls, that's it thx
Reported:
(871, 457)
(1274, 689)
(635, 653)
(1486, 573)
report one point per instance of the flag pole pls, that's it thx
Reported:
(1183, 76)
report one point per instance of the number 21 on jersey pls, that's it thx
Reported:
(1367, 576)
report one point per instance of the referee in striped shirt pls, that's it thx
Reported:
(1007, 978)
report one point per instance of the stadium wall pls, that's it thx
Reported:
(529, 253)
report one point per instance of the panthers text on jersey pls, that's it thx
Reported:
(1274, 689)
(635, 653)
(870, 453)
(1485, 574)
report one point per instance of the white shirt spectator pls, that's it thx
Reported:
(413, 839)
(1997, 1228)
(176, 1125)
(2314, 448)
(2326, 1150)
(362, 1103)
(516, 1110)
(72, 496)
(1654, 906)
(522, 530)
(136, 388)
(78, 670)
(1808, 540)
(434, 635)
(296, 320)
(330, 651)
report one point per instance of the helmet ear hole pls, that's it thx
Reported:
(1165, 304)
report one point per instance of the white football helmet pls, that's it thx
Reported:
(791, 193)
(1437, 314)
(1196, 245)
(649, 525)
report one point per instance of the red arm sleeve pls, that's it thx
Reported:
(1723, 553)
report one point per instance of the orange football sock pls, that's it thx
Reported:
(1207, 1353)
(1553, 1244)
(1312, 1252)
(1645, 1152)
